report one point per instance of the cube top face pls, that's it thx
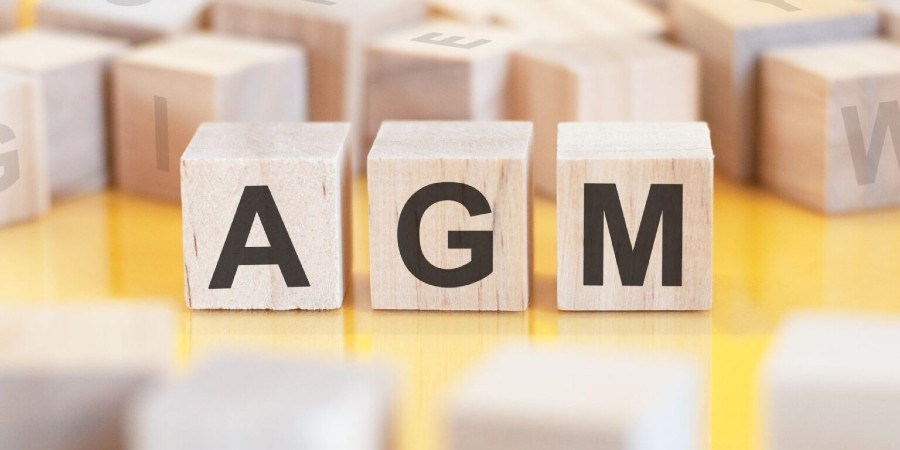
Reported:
(209, 54)
(743, 14)
(609, 140)
(157, 14)
(227, 142)
(442, 39)
(842, 62)
(598, 54)
(453, 141)
(332, 10)
(44, 49)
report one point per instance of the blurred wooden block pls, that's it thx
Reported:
(68, 374)
(890, 17)
(602, 80)
(246, 402)
(635, 217)
(731, 36)
(9, 14)
(438, 70)
(543, 400)
(115, 18)
(24, 178)
(826, 111)
(450, 216)
(831, 381)
(291, 179)
(335, 34)
(163, 92)
(73, 68)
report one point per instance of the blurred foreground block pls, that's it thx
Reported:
(67, 374)
(117, 19)
(600, 80)
(162, 92)
(826, 113)
(549, 400)
(291, 179)
(24, 178)
(73, 69)
(731, 36)
(832, 382)
(251, 403)
(9, 14)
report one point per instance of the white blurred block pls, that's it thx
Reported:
(543, 400)
(239, 402)
(67, 373)
(832, 382)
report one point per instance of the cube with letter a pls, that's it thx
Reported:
(449, 216)
(634, 216)
(266, 221)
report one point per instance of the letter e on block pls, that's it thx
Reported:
(266, 221)
(635, 216)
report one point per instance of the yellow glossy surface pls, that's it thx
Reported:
(770, 258)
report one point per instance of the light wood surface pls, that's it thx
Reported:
(200, 78)
(305, 170)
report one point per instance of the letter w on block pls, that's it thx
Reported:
(866, 161)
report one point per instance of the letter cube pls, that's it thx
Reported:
(826, 113)
(164, 91)
(9, 14)
(266, 216)
(635, 216)
(450, 216)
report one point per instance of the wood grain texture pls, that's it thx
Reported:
(283, 405)
(634, 157)
(334, 34)
(830, 381)
(202, 78)
(409, 79)
(602, 80)
(577, 400)
(731, 36)
(68, 373)
(136, 24)
(25, 180)
(493, 158)
(306, 168)
(806, 151)
(73, 69)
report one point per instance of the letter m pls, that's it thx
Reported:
(866, 161)
(665, 207)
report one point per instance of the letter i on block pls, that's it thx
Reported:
(449, 216)
(635, 216)
(266, 221)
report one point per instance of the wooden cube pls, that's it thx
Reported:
(163, 92)
(831, 381)
(826, 111)
(543, 400)
(248, 402)
(439, 70)
(9, 14)
(635, 217)
(450, 216)
(335, 33)
(73, 68)
(601, 80)
(24, 178)
(69, 373)
(123, 19)
(732, 35)
(267, 216)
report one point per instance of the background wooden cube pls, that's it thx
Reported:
(335, 34)
(831, 381)
(494, 159)
(422, 73)
(162, 92)
(24, 179)
(9, 14)
(731, 36)
(304, 168)
(602, 80)
(248, 402)
(543, 400)
(821, 110)
(135, 23)
(69, 373)
(669, 166)
(73, 69)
